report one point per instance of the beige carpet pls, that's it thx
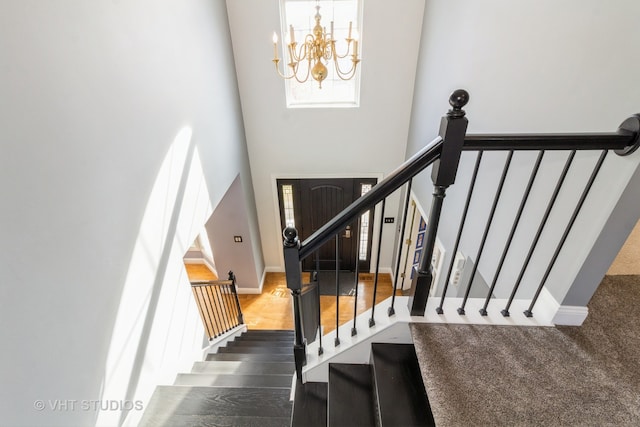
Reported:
(509, 376)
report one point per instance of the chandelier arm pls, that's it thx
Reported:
(350, 73)
(295, 73)
(280, 72)
(347, 53)
(293, 53)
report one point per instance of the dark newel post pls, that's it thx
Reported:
(234, 289)
(293, 273)
(453, 128)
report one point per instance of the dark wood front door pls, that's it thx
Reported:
(315, 202)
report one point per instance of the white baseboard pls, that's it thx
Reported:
(562, 315)
(386, 270)
(570, 315)
(274, 269)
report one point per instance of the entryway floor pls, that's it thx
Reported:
(273, 308)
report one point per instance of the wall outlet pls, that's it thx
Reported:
(458, 268)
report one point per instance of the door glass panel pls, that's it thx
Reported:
(364, 227)
(287, 201)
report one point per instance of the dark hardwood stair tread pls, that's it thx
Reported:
(268, 333)
(260, 343)
(350, 395)
(258, 357)
(266, 338)
(401, 395)
(256, 349)
(175, 420)
(234, 380)
(310, 405)
(244, 368)
(168, 401)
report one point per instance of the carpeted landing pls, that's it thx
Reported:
(534, 376)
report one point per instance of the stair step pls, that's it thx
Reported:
(268, 333)
(235, 380)
(244, 368)
(310, 405)
(198, 406)
(257, 357)
(256, 349)
(350, 395)
(260, 343)
(401, 396)
(264, 337)
(214, 420)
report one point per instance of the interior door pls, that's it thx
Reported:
(322, 199)
(313, 203)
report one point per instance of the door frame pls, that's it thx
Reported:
(408, 251)
(276, 207)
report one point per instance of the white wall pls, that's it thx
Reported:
(364, 141)
(94, 95)
(229, 219)
(530, 66)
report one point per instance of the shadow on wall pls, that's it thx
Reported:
(158, 329)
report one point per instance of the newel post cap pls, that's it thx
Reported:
(458, 99)
(290, 235)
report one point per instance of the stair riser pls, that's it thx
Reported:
(251, 357)
(254, 343)
(243, 368)
(256, 350)
(227, 380)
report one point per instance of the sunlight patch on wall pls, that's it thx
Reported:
(158, 329)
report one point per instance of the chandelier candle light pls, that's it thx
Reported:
(317, 47)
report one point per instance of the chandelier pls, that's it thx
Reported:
(317, 48)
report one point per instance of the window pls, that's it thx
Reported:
(287, 202)
(335, 92)
(364, 226)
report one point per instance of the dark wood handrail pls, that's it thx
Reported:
(211, 282)
(592, 141)
(396, 179)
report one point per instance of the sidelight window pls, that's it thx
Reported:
(287, 201)
(364, 226)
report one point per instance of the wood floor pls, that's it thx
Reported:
(273, 308)
(628, 260)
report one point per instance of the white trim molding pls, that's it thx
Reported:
(570, 315)
(561, 315)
